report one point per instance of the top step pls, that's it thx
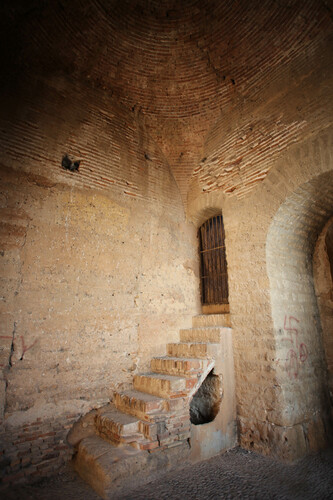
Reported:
(211, 320)
(207, 334)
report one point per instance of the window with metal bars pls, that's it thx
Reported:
(213, 263)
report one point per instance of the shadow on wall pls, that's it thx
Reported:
(323, 279)
(206, 401)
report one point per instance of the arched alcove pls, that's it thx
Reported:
(300, 365)
(206, 402)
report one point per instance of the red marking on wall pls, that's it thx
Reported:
(299, 352)
(292, 364)
(6, 336)
(25, 348)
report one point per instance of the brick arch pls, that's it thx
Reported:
(205, 206)
(290, 244)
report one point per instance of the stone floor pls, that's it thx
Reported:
(237, 474)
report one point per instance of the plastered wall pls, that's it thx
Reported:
(98, 267)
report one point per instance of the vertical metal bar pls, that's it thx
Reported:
(210, 262)
(219, 265)
(205, 262)
(208, 285)
(204, 298)
(216, 284)
(200, 263)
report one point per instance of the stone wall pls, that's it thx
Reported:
(282, 408)
(323, 281)
(99, 267)
(266, 165)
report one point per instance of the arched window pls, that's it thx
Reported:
(213, 266)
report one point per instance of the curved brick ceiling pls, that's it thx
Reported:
(182, 64)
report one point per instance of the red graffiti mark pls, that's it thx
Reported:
(291, 329)
(303, 352)
(25, 348)
(292, 364)
(300, 353)
(5, 337)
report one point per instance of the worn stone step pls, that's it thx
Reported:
(211, 320)
(145, 406)
(184, 367)
(203, 334)
(105, 466)
(188, 350)
(165, 386)
(116, 426)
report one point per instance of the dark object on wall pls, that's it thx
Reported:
(68, 164)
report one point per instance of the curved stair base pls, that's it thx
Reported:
(148, 428)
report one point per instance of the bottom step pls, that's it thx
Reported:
(102, 465)
(108, 468)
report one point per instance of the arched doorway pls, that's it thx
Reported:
(300, 367)
(213, 266)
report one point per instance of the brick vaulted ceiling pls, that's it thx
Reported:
(184, 66)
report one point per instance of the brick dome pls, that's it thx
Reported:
(184, 67)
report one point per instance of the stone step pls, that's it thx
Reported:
(203, 334)
(184, 367)
(211, 320)
(105, 466)
(108, 468)
(188, 350)
(165, 386)
(145, 406)
(116, 426)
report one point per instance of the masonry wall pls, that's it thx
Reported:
(322, 272)
(98, 266)
(267, 166)
(282, 401)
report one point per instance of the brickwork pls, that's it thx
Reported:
(323, 281)
(290, 246)
(185, 67)
(296, 408)
(150, 424)
(177, 111)
(34, 450)
(85, 290)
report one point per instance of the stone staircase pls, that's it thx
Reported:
(148, 427)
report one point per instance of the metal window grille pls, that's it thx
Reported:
(213, 263)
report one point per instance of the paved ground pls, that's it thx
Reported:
(234, 475)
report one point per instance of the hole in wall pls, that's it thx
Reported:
(68, 164)
(206, 401)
